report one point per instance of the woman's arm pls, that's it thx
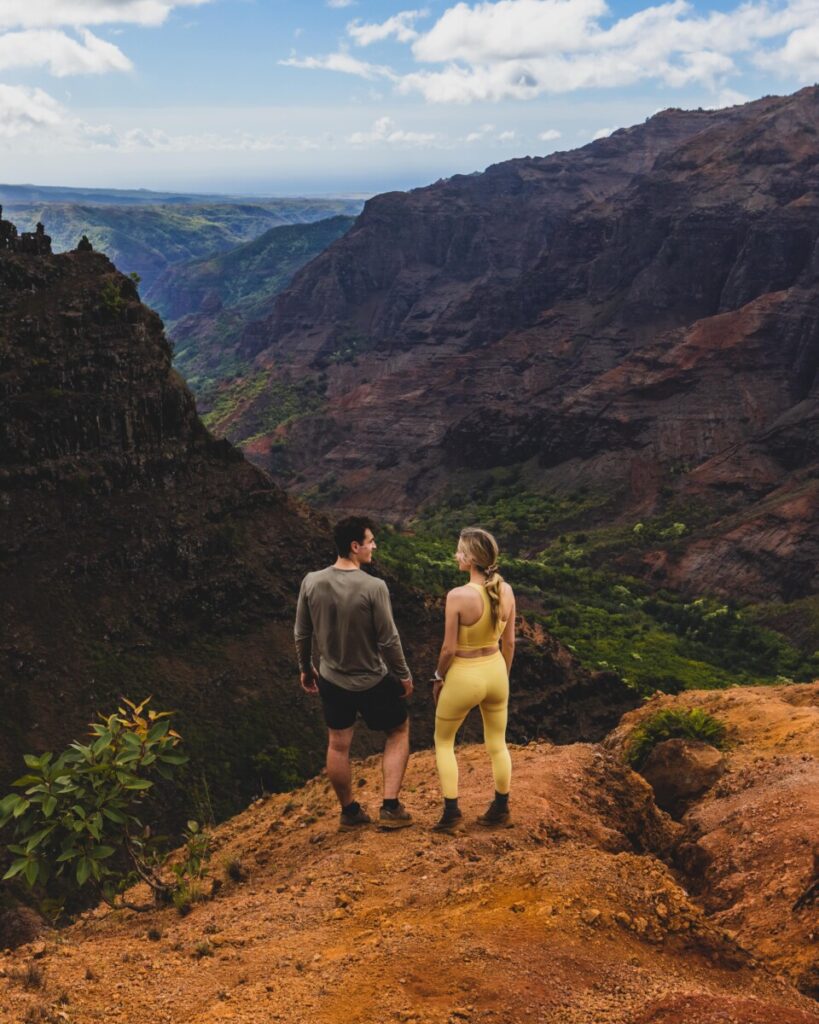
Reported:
(450, 644)
(507, 639)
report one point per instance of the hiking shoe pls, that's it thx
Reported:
(495, 817)
(450, 825)
(388, 818)
(349, 822)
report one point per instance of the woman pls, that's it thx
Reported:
(473, 670)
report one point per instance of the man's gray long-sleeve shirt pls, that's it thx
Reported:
(346, 614)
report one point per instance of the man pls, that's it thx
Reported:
(346, 615)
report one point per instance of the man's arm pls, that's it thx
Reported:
(303, 633)
(387, 638)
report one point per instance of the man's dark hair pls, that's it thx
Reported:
(353, 528)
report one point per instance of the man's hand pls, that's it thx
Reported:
(309, 680)
(408, 687)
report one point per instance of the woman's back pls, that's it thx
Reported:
(482, 632)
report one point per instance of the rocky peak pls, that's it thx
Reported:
(35, 242)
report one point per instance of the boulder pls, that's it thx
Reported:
(681, 770)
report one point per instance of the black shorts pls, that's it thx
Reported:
(383, 706)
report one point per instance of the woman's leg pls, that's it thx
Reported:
(445, 731)
(457, 699)
(495, 713)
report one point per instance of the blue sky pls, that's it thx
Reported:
(322, 96)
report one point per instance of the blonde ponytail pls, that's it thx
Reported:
(482, 549)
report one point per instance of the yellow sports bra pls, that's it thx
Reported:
(481, 633)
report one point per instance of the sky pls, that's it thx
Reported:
(316, 97)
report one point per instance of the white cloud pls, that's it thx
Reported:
(23, 110)
(61, 54)
(74, 13)
(603, 133)
(549, 135)
(340, 62)
(520, 49)
(800, 53)
(508, 29)
(32, 36)
(138, 139)
(385, 130)
(729, 98)
(508, 136)
(480, 134)
(400, 26)
(47, 124)
(341, 3)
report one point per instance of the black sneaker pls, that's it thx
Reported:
(350, 821)
(450, 824)
(495, 816)
(398, 817)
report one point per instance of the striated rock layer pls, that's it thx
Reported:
(140, 555)
(638, 317)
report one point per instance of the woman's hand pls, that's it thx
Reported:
(437, 686)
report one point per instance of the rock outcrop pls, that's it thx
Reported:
(570, 917)
(680, 770)
(637, 317)
(748, 847)
(137, 553)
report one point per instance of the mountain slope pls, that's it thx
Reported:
(147, 238)
(207, 303)
(636, 319)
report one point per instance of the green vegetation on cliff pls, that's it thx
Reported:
(570, 583)
(207, 304)
(150, 238)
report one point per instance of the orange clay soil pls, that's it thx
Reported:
(570, 917)
(757, 829)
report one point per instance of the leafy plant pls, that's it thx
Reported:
(77, 822)
(672, 723)
(112, 297)
(192, 869)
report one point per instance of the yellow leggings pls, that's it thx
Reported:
(473, 682)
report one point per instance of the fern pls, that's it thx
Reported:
(695, 724)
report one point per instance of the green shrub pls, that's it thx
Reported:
(111, 296)
(671, 723)
(192, 869)
(76, 823)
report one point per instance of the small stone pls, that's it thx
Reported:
(621, 917)
(662, 911)
(338, 914)
(590, 916)
(639, 924)
(517, 908)
(343, 899)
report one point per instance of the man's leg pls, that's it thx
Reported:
(338, 764)
(396, 755)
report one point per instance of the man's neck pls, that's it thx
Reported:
(348, 564)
